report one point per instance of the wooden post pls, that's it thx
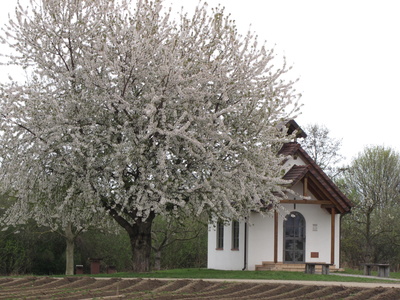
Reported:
(305, 187)
(275, 236)
(333, 214)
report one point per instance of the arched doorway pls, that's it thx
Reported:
(294, 229)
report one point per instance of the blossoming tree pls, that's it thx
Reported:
(139, 114)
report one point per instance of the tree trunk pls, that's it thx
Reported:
(69, 252)
(368, 257)
(139, 232)
(157, 260)
(140, 238)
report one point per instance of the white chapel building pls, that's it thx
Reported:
(309, 231)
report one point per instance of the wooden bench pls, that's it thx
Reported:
(383, 269)
(310, 268)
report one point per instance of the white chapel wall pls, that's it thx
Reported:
(226, 258)
(260, 240)
(318, 232)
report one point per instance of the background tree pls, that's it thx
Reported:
(138, 115)
(57, 210)
(28, 249)
(373, 184)
(167, 231)
(112, 247)
(322, 148)
(187, 253)
(33, 248)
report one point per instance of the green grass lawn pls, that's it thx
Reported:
(374, 272)
(219, 274)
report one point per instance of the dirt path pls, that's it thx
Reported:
(395, 284)
(169, 289)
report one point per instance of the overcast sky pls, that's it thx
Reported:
(346, 54)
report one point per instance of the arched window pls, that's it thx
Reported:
(294, 233)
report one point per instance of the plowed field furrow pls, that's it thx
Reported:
(388, 294)
(172, 296)
(229, 291)
(286, 289)
(245, 291)
(99, 284)
(172, 285)
(305, 293)
(5, 280)
(103, 288)
(19, 282)
(84, 295)
(142, 295)
(294, 292)
(125, 284)
(366, 294)
(113, 289)
(54, 293)
(267, 291)
(188, 292)
(158, 296)
(66, 283)
(48, 294)
(85, 281)
(60, 283)
(274, 290)
(226, 289)
(53, 283)
(346, 292)
(143, 285)
(215, 287)
(72, 294)
(42, 281)
(8, 295)
(34, 284)
(19, 286)
(66, 291)
(26, 294)
(84, 288)
(117, 288)
(193, 287)
(323, 292)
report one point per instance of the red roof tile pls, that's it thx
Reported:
(324, 184)
(289, 149)
(295, 174)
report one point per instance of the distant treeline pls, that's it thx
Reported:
(28, 249)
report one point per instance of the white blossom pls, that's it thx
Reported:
(132, 113)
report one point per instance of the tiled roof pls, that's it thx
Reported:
(326, 182)
(289, 149)
(323, 184)
(295, 174)
(293, 126)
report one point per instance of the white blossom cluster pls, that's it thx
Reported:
(130, 112)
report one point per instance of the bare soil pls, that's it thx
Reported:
(90, 288)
